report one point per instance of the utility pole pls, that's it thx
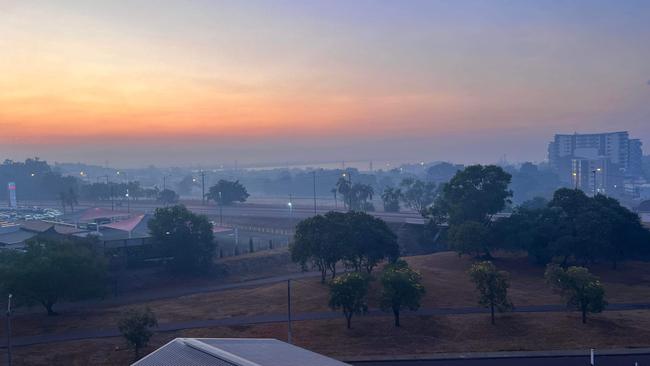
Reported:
(289, 311)
(202, 187)
(9, 329)
(314, 175)
(220, 210)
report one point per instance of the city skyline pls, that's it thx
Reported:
(171, 83)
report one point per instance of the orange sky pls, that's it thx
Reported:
(75, 72)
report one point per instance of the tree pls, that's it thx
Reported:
(417, 194)
(348, 292)
(68, 198)
(186, 184)
(185, 237)
(355, 196)
(391, 197)
(492, 286)
(581, 289)
(320, 240)
(135, 327)
(53, 270)
(474, 194)
(470, 237)
(401, 288)
(367, 241)
(167, 197)
(442, 172)
(227, 192)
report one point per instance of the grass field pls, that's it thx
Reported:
(447, 285)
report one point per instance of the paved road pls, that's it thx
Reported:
(608, 360)
(276, 318)
(241, 210)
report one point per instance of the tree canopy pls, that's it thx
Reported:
(348, 293)
(401, 288)
(186, 238)
(136, 327)
(227, 192)
(574, 226)
(492, 286)
(391, 197)
(473, 194)
(581, 289)
(359, 239)
(417, 194)
(167, 197)
(49, 271)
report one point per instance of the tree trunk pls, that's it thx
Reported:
(492, 313)
(396, 314)
(323, 274)
(348, 318)
(584, 316)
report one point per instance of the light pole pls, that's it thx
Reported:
(594, 173)
(575, 180)
(289, 311)
(290, 205)
(9, 329)
(314, 176)
(220, 210)
(202, 188)
(349, 175)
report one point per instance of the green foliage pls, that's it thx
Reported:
(492, 286)
(581, 289)
(320, 240)
(136, 327)
(167, 197)
(356, 237)
(401, 288)
(227, 192)
(470, 238)
(418, 195)
(52, 270)
(442, 172)
(367, 241)
(69, 198)
(184, 237)
(355, 196)
(473, 194)
(348, 293)
(575, 226)
(391, 197)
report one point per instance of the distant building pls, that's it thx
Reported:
(234, 352)
(596, 163)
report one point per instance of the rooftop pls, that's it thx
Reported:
(233, 352)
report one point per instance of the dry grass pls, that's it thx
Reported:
(377, 336)
(444, 277)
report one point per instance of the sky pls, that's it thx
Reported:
(179, 82)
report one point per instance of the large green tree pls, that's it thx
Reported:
(581, 289)
(401, 288)
(367, 241)
(49, 271)
(227, 192)
(348, 293)
(185, 237)
(320, 240)
(492, 286)
(470, 237)
(473, 194)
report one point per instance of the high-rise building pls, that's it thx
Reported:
(596, 162)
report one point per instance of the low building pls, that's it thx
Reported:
(234, 352)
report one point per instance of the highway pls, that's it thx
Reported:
(268, 210)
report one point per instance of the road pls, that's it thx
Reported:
(601, 360)
(240, 210)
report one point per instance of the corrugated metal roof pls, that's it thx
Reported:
(16, 237)
(234, 352)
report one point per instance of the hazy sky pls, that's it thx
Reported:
(205, 81)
